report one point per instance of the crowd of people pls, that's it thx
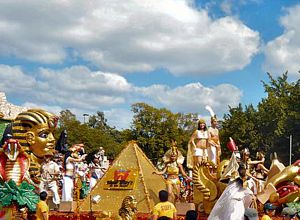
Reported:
(60, 173)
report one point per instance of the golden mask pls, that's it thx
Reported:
(34, 130)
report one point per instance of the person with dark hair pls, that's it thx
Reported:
(164, 207)
(71, 159)
(163, 218)
(269, 210)
(198, 145)
(42, 209)
(191, 215)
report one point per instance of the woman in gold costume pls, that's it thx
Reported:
(198, 145)
(173, 160)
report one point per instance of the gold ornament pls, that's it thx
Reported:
(34, 130)
(128, 208)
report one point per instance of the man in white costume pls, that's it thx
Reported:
(214, 149)
(50, 173)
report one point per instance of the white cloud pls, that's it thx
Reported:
(283, 53)
(14, 80)
(74, 87)
(127, 36)
(81, 90)
(194, 97)
(118, 117)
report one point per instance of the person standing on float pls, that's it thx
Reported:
(68, 180)
(214, 150)
(198, 145)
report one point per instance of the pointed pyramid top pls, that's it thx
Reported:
(130, 174)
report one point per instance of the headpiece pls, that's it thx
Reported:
(173, 151)
(27, 120)
(201, 121)
(213, 116)
(245, 151)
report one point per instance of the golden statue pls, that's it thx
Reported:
(128, 209)
(34, 130)
(282, 185)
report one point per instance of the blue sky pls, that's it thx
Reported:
(90, 56)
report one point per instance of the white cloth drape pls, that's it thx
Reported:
(231, 204)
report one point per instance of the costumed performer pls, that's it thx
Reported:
(173, 160)
(71, 158)
(235, 198)
(198, 144)
(214, 149)
(50, 173)
(97, 172)
(252, 182)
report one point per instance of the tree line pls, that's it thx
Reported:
(266, 127)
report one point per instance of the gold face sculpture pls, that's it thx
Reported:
(34, 130)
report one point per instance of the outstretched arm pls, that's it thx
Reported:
(160, 172)
(183, 172)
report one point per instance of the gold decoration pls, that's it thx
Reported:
(202, 180)
(173, 151)
(128, 208)
(122, 179)
(34, 130)
(145, 191)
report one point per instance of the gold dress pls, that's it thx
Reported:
(172, 172)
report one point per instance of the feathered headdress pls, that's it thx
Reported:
(211, 112)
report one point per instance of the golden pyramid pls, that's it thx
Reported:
(130, 174)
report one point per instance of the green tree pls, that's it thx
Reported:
(154, 129)
(93, 137)
(268, 127)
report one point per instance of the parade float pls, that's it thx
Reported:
(130, 185)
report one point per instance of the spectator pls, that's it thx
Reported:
(250, 214)
(164, 207)
(191, 215)
(42, 209)
(269, 210)
(289, 213)
(163, 218)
